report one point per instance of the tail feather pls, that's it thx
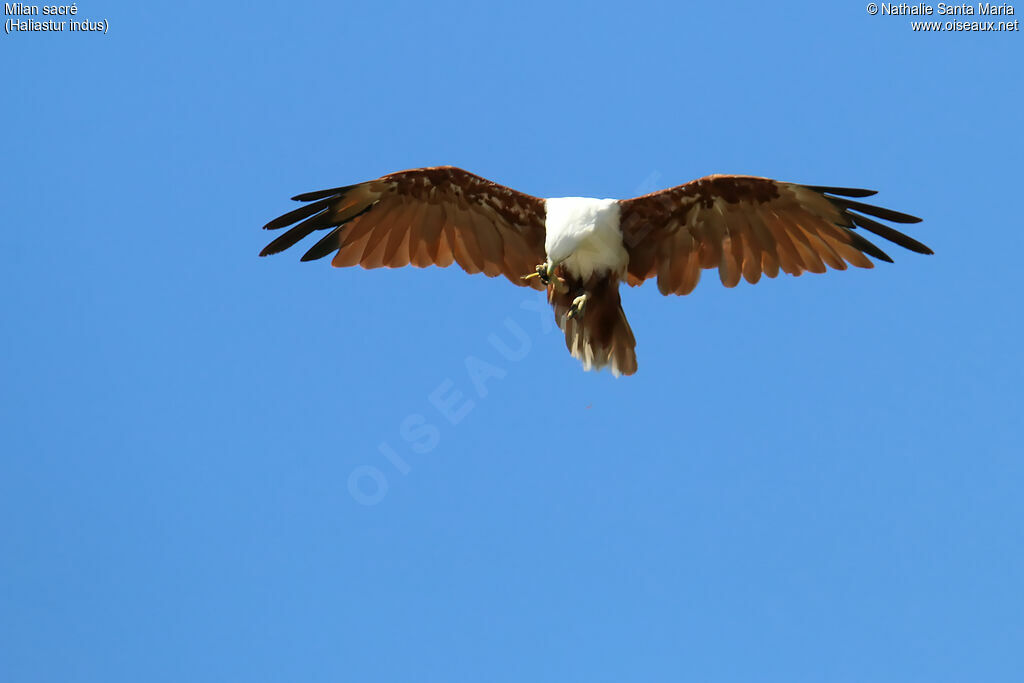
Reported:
(601, 336)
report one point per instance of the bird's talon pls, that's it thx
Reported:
(576, 309)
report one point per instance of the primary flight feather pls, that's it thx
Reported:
(580, 249)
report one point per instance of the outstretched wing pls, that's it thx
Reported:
(424, 216)
(744, 225)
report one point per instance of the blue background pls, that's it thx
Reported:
(219, 467)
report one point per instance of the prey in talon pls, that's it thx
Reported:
(546, 273)
(542, 273)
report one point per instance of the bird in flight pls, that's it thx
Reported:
(580, 249)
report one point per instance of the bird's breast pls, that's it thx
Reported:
(583, 234)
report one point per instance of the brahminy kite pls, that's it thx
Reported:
(580, 249)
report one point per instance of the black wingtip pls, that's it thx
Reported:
(894, 236)
(867, 246)
(321, 194)
(328, 245)
(842, 191)
(876, 211)
(296, 215)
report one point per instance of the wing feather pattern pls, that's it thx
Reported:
(748, 227)
(424, 216)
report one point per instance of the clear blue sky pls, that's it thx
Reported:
(810, 479)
